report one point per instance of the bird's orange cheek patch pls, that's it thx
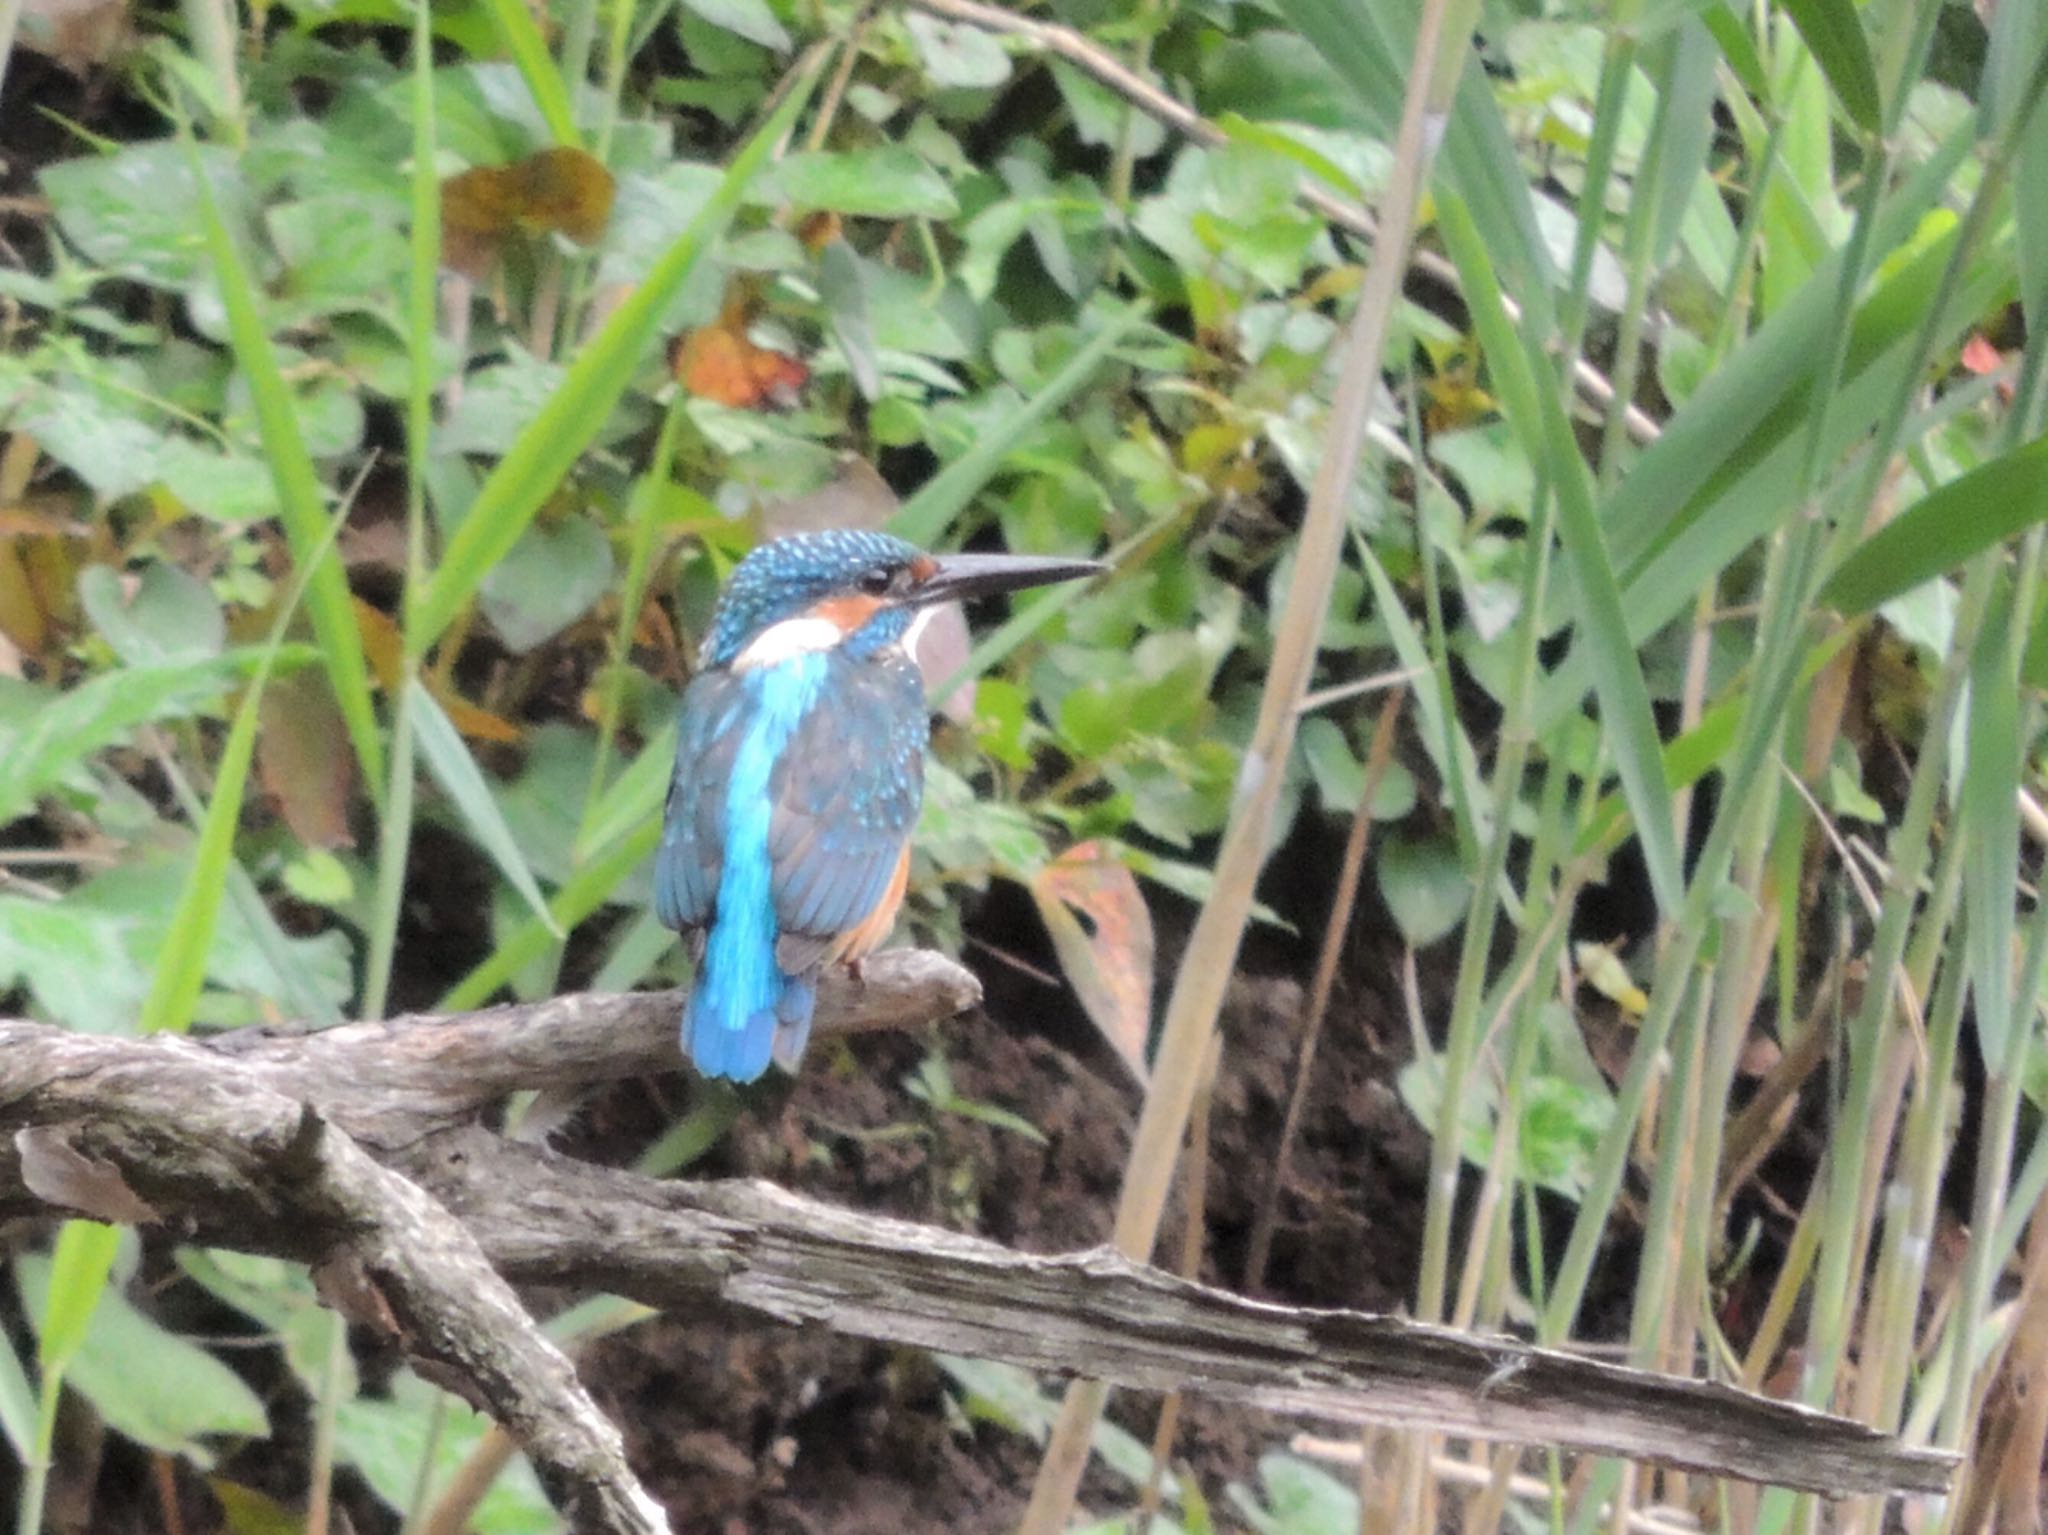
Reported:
(849, 613)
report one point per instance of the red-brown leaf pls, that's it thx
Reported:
(1108, 958)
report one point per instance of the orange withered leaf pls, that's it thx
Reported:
(721, 362)
(561, 191)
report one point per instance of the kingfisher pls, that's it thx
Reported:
(799, 773)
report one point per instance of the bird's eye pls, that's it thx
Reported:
(876, 582)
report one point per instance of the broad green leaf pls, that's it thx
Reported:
(888, 182)
(751, 19)
(147, 1384)
(1944, 529)
(389, 1440)
(99, 712)
(546, 451)
(1834, 33)
(136, 212)
(1424, 886)
(168, 616)
(842, 289)
(1300, 1499)
(1012, 1398)
(449, 760)
(549, 579)
(931, 511)
(956, 54)
(298, 489)
(517, 31)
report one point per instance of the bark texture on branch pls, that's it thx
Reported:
(359, 1151)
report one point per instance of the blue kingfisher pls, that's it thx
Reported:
(799, 772)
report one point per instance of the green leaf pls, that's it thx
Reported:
(1424, 887)
(81, 721)
(449, 760)
(956, 54)
(136, 212)
(931, 511)
(18, 1409)
(546, 581)
(1625, 713)
(548, 449)
(888, 182)
(147, 1384)
(298, 490)
(419, 1426)
(1990, 818)
(180, 972)
(631, 798)
(843, 290)
(751, 19)
(1304, 1499)
(516, 29)
(587, 889)
(170, 615)
(1834, 33)
(1944, 529)
(83, 1259)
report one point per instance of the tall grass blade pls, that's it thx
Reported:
(516, 29)
(585, 891)
(1990, 818)
(577, 411)
(1625, 714)
(928, 513)
(1834, 33)
(449, 760)
(298, 486)
(17, 1404)
(1944, 529)
(79, 1267)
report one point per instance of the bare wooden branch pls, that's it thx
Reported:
(357, 1150)
(407, 1077)
(211, 1148)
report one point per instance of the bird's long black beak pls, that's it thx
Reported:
(961, 576)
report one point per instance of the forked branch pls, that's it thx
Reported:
(359, 1151)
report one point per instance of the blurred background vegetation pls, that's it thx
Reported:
(388, 390)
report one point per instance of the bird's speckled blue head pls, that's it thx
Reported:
(788, 577)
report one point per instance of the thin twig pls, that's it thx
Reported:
(1377, 757)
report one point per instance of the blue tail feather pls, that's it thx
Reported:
(743, 1011)
(723, 1042)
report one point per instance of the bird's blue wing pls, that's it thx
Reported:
(846, 795)
(692, 851)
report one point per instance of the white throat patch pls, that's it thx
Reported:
(787, 640)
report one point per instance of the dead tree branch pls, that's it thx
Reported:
(358, 1150)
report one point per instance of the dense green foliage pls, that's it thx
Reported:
(383, 417)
